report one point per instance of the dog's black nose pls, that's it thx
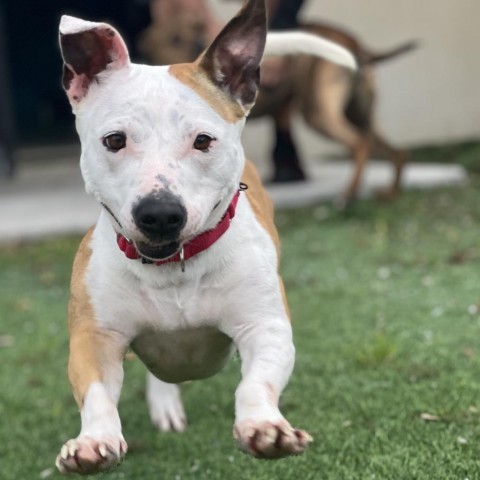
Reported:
(160, 217)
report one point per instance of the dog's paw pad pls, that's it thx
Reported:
(271, 440)
(86, 455)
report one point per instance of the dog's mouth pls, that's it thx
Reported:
(157, 252)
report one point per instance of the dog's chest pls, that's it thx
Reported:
(187, 305)
(176, 333)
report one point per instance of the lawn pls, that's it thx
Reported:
(385, 301)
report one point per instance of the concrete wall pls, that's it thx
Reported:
(431, 95)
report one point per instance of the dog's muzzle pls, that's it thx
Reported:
(160, 218)
(195, 246)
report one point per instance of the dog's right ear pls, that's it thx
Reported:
(88, 49)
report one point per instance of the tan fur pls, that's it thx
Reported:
(93, 351)
(260, 202)
(262, 206)
(194, 77)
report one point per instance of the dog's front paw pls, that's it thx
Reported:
(86, 455)
(264, 439)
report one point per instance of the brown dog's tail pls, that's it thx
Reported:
(382, 56)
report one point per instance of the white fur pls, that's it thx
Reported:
(100, 442)
(99, 414)
(230, 290)
(183, 325)
(218, 292)
(289, 43)
(165, 405)
(70, 25)
(161, 129)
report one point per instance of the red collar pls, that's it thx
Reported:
(194, 246)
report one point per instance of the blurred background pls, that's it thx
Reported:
(39, 110)
(427, 97)
(430, 95)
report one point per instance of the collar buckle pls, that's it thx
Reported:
(182, 259)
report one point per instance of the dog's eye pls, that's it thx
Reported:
(202, 142)
(115, 141)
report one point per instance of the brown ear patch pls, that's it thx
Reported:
(88, 52)
(88, 49)
(191, 75)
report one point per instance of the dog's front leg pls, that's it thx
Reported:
(267, 354)
(95, 369)
(96, 374)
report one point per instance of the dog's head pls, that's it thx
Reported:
(161, 146)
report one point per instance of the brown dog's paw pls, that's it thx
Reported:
(344, 203)
(270, 440)
(86, 455)
(386, 194)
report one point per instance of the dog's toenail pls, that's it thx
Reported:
(102, 449)
(271, 433)
(64, 452)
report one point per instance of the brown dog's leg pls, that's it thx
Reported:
(399, 158)
(324, 109)
(361, 154)
(338, 128)
(96, 374)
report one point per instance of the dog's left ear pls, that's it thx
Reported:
(88, 49)
(232, 61)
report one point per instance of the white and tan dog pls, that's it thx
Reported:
(182, 265)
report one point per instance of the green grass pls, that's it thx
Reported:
(384, 306)
(466, 153)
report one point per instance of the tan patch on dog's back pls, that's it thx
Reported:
(262, 207)
(260, 202)
(194, 77)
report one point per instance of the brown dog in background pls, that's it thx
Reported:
(333, 101)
